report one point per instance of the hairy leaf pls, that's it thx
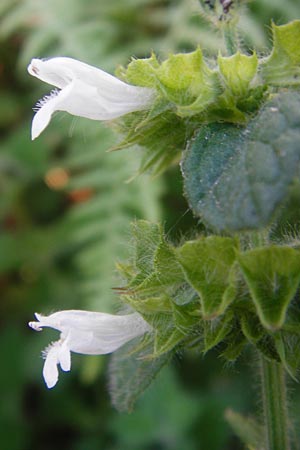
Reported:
(282, 67)
(235, 177)
(130, 375)
(273, 275)
(208, 266)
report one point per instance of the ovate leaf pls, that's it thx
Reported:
(235, 177)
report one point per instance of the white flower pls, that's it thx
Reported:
(84, 90)
(90, 333)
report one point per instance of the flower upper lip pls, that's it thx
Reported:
(46, 72)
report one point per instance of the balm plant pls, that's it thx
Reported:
(233, 123)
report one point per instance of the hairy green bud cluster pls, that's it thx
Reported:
(192, 92)
(213, 292)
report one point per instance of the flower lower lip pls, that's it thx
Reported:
(45, 99)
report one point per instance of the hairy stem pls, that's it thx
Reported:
(230, 39)
(275, 405)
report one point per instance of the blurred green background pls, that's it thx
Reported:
(65, 211)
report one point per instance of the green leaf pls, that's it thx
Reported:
(147, 237)
(166, 340)
(234, 178)
(183, 79)
(186, 80)
(282, 67)
(251, 327)
(162, 134)
(266, 346)
(167, 266)
(130, 375)
(234, 344)
(238, 71)
(141, 71)
(151, 304)
(246, 428)
(288, 348)
(171, 330)
(273, 275)
(216, 330)
(208, 267)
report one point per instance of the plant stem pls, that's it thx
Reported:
(275, 405)
(230, 39)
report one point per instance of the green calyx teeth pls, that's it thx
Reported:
(273, 275)
(282, 67)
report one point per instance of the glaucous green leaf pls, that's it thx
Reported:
(235, 177)
(273, 275)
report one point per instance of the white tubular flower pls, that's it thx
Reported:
(90, 333)
(85, 91)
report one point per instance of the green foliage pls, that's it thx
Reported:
(187, 81)
(273, 276)
(161, 135)
(282, 67)
(230, 89)
(236, 177)
(208, 266)
(215, 331)
(210, 293)
(238, 71)
(129, 376)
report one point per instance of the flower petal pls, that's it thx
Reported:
(49, 72)
(50, 371)
(48, 107)
(61, 71)
(106, 332)
(44, 321)
(64, 357)
(88, 101)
